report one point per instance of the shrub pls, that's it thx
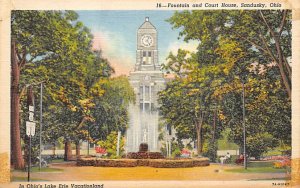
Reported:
(176, 147)
(211, 152)
(176, 153)
(286, 163)
(110, 144)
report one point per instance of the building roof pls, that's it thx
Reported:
(147, 25)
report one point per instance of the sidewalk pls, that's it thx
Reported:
(208, 173)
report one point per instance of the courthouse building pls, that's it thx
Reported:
(147, 80)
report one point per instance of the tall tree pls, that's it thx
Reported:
(232, 44)
(49, 46)
(111, 109)
(265, 34)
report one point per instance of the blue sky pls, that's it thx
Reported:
(115, 33)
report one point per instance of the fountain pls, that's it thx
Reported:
(142, 145)
(143, 153)
(143, 128)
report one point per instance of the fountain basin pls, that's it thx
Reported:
(156, 163)
(145, 155)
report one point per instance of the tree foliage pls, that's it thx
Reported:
(234, 47)
(110, 144)
(55, 48)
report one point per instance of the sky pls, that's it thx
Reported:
(115, 34)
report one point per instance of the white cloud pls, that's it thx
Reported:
(122, 57)
(113, 48)
(174, 46)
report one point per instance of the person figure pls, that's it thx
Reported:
(227, 155)
(224, 158)
(240, 159)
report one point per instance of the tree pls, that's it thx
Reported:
(229, 48)
(51, 46)
(111, 110)
(265, 34)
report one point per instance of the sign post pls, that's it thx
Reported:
(30, 131)
(29, 159)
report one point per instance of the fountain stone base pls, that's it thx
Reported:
(144, 158)
(143, 153)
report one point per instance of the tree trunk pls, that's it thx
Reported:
(77, 150)
(282, 72)
(280, 62)
(198, 124)
(53, 149)
(16, 150)
(214, 126)
(199, 141)
(68, 151)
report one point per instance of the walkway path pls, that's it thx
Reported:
(208, 173)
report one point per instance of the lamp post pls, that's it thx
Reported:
(41, 121)
(88, 145)
(244, 123)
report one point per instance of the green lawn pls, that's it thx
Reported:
(15, 178)
(47, 169)
(57, 160)
(257, 170)
(261, 164)
(258, 167)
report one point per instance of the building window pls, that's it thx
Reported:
(146, 59)
(152, 107)
(147, 107)
(141, 93)
(147, 93)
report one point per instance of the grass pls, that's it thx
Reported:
(257, 170)
(47, 169)
(16, 178)
(261, 164)
(258, 167)
(57, 160)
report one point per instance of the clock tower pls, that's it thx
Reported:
(147, 80)
(146, 53)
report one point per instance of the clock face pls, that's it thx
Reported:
(147, 40)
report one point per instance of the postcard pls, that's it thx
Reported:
(131, 93)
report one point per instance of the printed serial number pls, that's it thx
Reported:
(280, 184)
